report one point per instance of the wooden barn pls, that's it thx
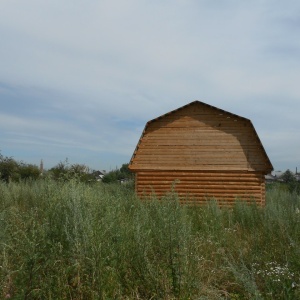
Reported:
(208, 152)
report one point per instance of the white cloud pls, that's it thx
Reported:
(92, 66)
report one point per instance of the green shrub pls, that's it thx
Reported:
(12, 170)
(118, 175)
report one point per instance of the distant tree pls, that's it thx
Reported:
(79, 169)
(292, 184)
(117, 175)
(28, 171)
(288, 176)
(64, 171)
(60, 170)
(111, 176)
(8, 169)
(12, 170)
(81, 172)
(125, 171)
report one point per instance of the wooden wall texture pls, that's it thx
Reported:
(211, 152)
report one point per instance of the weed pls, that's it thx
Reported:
(70, 240)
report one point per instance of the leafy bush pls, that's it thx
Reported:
(290, 182)
(28, 171)
(8, 169)
(118, 175)
(12, 170)
(64, 171)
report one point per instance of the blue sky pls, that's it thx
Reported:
(79, 79)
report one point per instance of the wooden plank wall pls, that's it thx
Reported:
(197, 187)
(213, 154)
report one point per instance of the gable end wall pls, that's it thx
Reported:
(209, 152)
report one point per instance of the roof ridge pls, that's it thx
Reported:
(197, 102)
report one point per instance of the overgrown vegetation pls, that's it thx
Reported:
(12, 170)
(122, 174)
(68, 240)
(64, 171)
(290, 182)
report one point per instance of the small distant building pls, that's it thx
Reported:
(124, 180)
(278, 174)
(98, 175)
(206, 151)
(270, 178)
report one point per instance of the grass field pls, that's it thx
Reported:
(74, 241)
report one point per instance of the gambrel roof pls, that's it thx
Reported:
(199, 136)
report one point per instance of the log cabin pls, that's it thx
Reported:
(207, 152)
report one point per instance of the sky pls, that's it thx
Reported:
(80, 79)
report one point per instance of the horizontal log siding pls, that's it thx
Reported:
(197, 187)
(199, 139)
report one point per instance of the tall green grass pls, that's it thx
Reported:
(68, 240)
